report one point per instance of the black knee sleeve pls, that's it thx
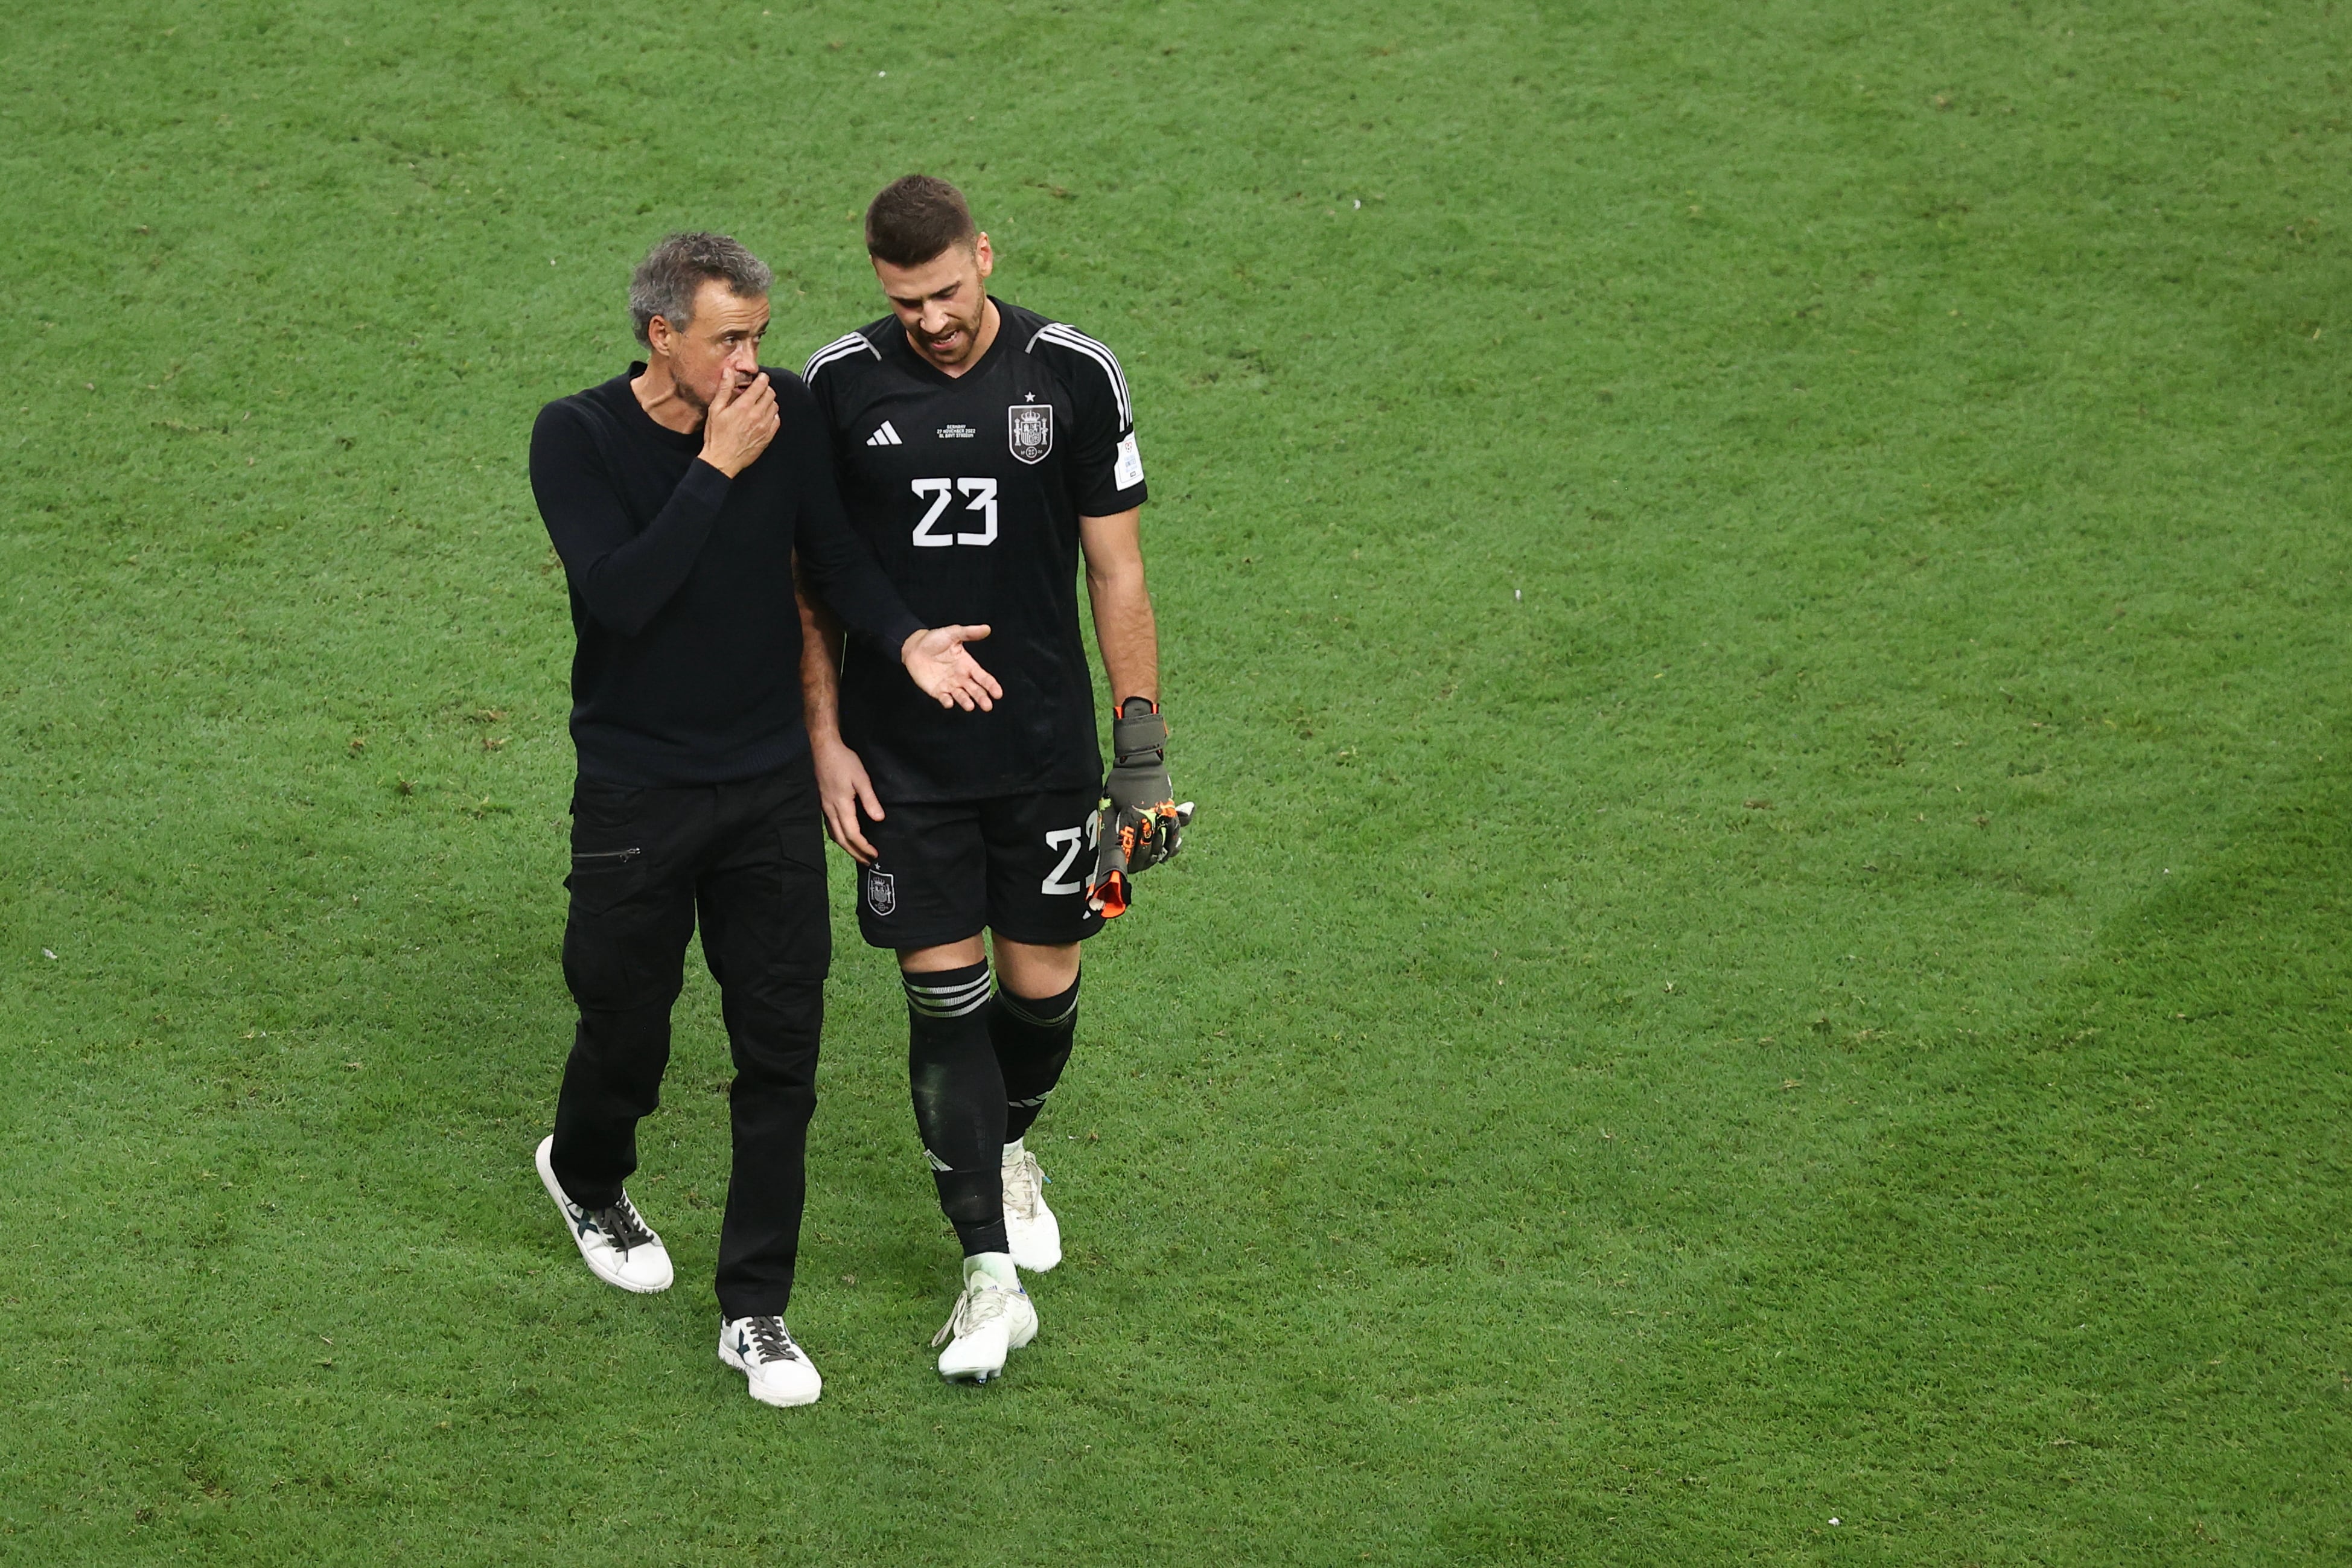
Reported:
(959, 1093)
(1033, 1045)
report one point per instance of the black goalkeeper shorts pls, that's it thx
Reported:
(1017, 865)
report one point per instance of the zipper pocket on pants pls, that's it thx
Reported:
(604, 859)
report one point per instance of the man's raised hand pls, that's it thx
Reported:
(938, 662)
(739, 425)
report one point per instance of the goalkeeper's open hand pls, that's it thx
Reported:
(1142, 824)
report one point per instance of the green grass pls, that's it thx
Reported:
(1760, 633)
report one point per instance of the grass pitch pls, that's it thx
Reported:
(1754, 598)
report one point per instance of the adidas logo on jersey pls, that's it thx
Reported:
(885, 437)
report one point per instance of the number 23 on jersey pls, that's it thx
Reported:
(979, 496)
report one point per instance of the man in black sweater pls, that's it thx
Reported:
(679, 496)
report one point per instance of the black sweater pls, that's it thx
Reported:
(688, 665)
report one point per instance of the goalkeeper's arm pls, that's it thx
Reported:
(1136, 831)
(1124, 628)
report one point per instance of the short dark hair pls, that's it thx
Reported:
(674, 272)
(915, 219)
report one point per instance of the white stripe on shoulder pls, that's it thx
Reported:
(1069, 336)
(840, 348)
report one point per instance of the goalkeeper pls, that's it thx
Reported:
(984, 450)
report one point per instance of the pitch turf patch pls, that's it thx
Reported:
(1743, 597)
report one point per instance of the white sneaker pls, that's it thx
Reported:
(992, 1320)
(762, 1349)
(1034, 1233)
(620, 1248)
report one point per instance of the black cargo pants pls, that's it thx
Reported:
(748, 859)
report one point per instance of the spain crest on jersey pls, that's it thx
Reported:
(881, 891)
(1029, 430)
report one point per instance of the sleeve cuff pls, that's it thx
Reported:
(704, 483)
(1112, 503)
(895, 634)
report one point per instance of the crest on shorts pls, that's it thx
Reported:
(1029, 430)
(881, 892)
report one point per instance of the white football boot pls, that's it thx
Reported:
(992, 1320)
(1030, 1227)
(620, 1248)
(762, 1349)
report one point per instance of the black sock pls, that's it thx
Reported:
(1033, 1045)
(959, 1093)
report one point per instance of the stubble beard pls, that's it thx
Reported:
(971, 331)
(692, 398)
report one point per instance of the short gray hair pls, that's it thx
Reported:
(673, 271)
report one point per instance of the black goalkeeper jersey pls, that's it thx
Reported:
(969, 489)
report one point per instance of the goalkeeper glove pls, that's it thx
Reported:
(1142, 824)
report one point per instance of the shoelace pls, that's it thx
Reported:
(773, 1339)
(621, 1225)
(980, 1303)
